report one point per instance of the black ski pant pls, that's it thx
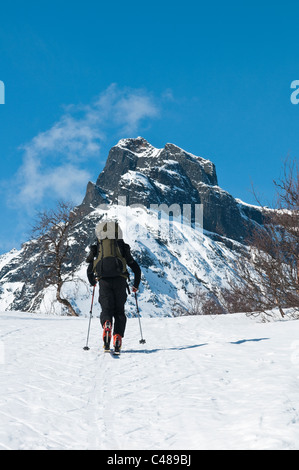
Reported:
(113, 296)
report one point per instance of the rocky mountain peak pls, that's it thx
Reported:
(142, 174)
(151, 175)
(137, 145)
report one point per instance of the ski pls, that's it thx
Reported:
(112, 352)
(115, 355)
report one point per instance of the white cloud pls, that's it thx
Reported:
(55, 162)
(135, 108)
(62, 182)
(126, 108)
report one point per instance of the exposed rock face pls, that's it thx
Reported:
(142, 174)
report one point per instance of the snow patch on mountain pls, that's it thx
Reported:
(171, 270)
(143, 148)
(175, 259)
(8, 257)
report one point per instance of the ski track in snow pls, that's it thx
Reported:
(226, 382)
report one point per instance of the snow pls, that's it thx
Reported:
(8, 257)
(170, 271)
(175, 259)
(8, 292)
(136, 178)
(242, 203)
(221, 382)
(145, 149)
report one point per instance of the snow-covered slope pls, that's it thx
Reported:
(173, 264)
(225, 382)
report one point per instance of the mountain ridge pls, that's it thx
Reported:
(145, 175)
(173, 264)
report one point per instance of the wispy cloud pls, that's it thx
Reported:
(56, 162)
(124, 109)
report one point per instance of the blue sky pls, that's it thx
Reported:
(211, 77)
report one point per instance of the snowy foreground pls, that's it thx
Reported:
(226, 382)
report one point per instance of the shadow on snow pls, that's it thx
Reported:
(241, 341)
(180, 348)
(150, 351)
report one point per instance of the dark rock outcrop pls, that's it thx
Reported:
(142, 174)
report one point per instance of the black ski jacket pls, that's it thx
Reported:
(126, 253)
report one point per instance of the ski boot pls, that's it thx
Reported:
(117, 344)
(107, 335)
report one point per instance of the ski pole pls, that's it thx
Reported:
(86, 348)
(142, 341)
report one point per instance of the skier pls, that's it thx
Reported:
(108, 260)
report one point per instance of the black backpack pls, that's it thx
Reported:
(110, 261)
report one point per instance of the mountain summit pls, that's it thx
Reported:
(143, 174)
(147, 175)
(172, 266)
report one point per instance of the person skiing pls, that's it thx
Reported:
(107, 263)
